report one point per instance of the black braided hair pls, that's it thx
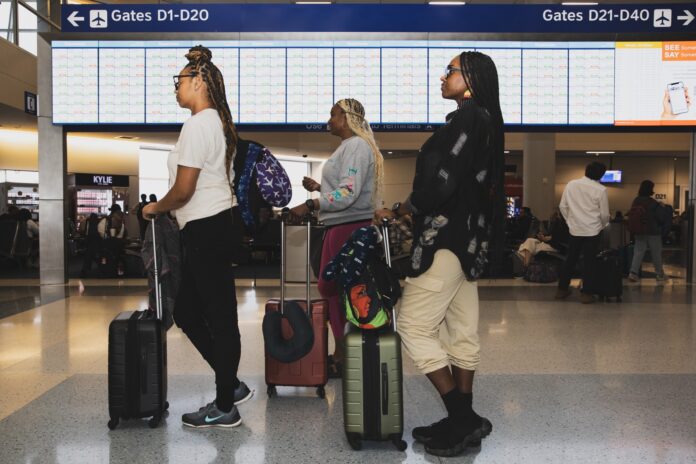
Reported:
(481, 77)
(199, 60)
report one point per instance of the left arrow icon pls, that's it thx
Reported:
(74, 19)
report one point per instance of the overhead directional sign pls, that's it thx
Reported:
(496, 18)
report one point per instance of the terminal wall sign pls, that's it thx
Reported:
(496, 18)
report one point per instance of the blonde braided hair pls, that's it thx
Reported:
(355, 117)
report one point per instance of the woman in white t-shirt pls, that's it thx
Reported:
(201, 198)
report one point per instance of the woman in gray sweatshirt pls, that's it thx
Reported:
(350, 189)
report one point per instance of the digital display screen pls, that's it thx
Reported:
(611, 177)
(398, 82)
(656, 82)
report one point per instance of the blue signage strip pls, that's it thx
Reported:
(494, 18)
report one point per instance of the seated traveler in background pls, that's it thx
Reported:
(555, 241)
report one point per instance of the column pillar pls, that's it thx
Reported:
(52, 165)
(539, 174)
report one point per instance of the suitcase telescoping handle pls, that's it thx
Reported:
(158, 289)
(284, 216)
(387, 255)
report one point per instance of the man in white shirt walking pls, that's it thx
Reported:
(585, 207)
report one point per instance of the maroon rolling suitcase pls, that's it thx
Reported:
(311, 369)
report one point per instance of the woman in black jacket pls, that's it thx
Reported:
(644, 222)
(458, 211)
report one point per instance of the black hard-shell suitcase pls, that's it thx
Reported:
(373, 406)
(138, 362)
(607, 279)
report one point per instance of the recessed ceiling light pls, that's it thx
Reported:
(390, 152)
(506, 151)
(446, 3)
(600, 152)
(312, 3)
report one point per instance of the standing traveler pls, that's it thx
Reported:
(113, 229)
(351, 185)
(93, 241)
(142, 222)
(200, 196)
(458, 209)
(585, 207)
(644, 222)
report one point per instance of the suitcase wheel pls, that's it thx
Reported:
(113, 423)
(155, 421)
(166, 405)
(399, 443)
(271, 391)
(354, 441)
(321, 392)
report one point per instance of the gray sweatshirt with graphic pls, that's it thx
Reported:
(347, 182)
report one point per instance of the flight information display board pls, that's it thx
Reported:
(295, 82)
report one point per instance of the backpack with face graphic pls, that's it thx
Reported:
(369, 301)
(369, 288)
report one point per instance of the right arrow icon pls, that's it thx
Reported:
(687, 18)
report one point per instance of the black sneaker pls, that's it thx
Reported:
(242, 394)
(426, 433)
(211, 416)
(453, 440)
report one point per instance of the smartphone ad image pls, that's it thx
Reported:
(677, 98)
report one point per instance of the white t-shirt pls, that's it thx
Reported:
(585, 207)
(202, 145)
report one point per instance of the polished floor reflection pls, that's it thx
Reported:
(561, 382)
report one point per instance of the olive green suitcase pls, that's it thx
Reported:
(373, 406)
(373, 388)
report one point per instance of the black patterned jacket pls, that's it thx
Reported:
(452, 197)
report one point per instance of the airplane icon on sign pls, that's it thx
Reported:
(98, 19)
(662, 18)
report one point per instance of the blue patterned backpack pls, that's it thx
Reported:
(260, 182)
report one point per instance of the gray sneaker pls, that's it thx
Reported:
(211, 416)
(242, 394)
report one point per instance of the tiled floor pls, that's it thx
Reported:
(562, 383)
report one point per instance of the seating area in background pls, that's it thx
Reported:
(15, 245)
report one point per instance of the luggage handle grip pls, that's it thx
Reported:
(158, 290)
(387, 257)
(385, 389)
